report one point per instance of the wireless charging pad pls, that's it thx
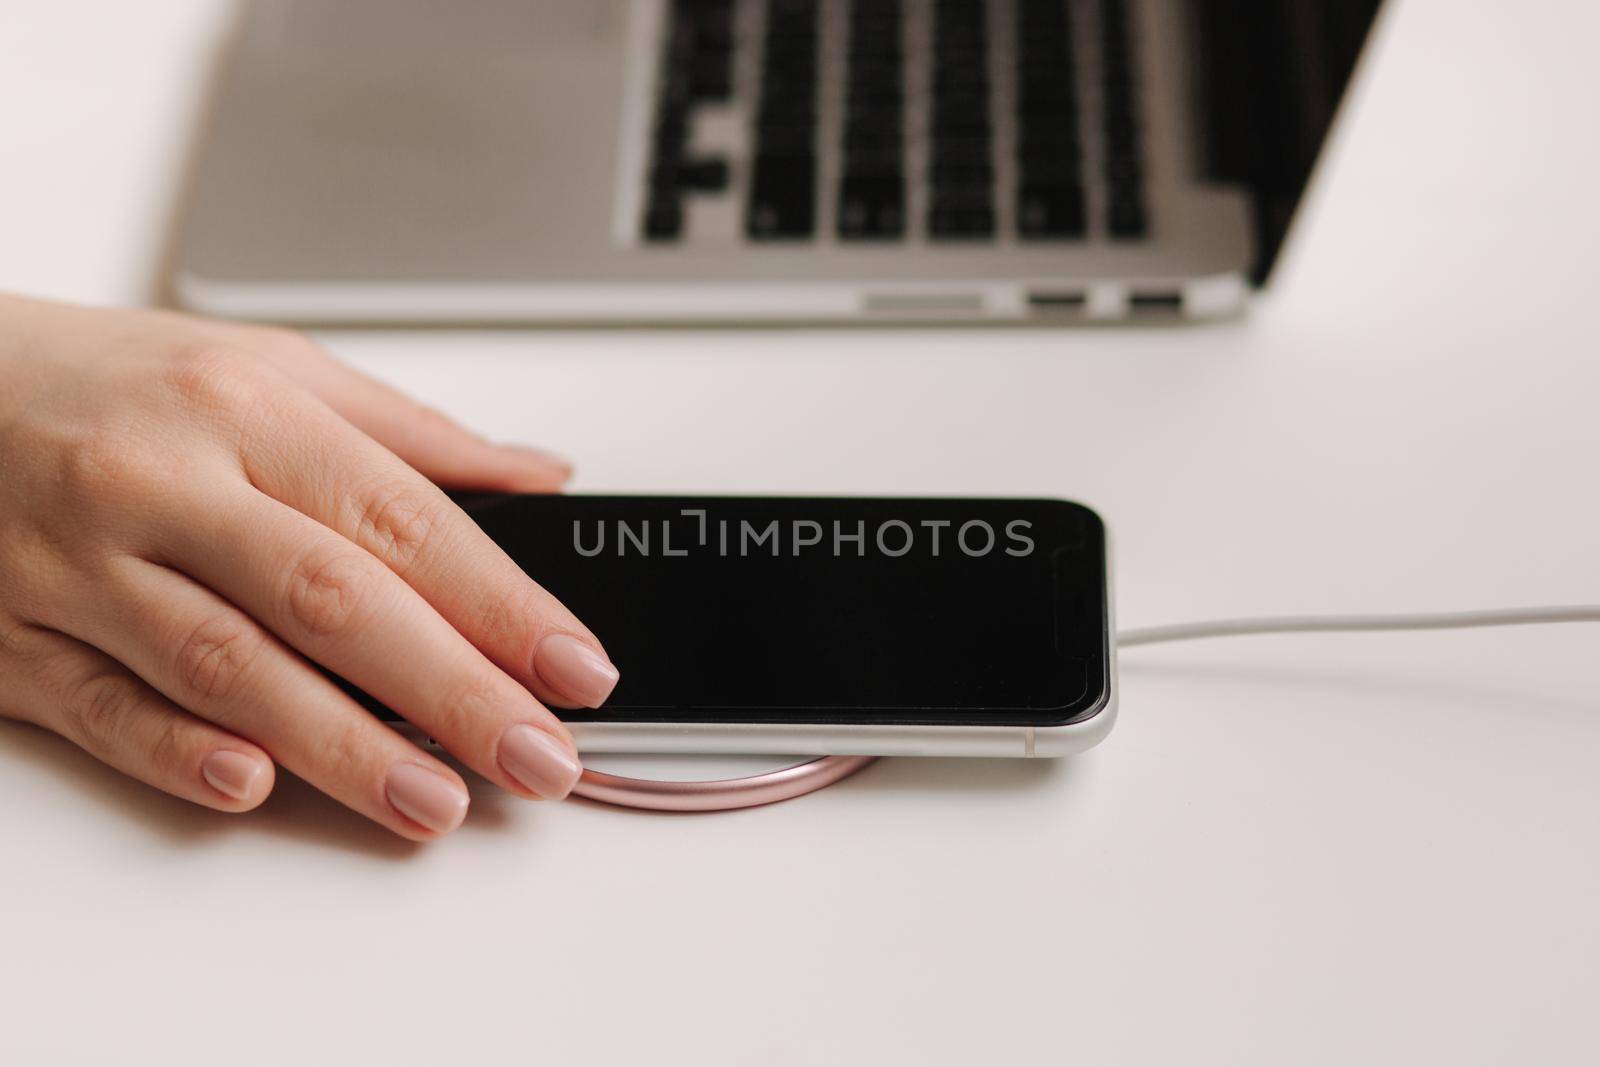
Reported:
(709, 783)
(698, 783)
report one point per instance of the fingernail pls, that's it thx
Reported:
(575, 670)
(426, 798)
(539, 761)
(552, 459)
(231, 773)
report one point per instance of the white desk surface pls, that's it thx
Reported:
(1320, 850)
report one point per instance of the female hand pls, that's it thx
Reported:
(191, 512)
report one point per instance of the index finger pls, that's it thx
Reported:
(320, 465)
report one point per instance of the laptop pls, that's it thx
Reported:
(746, 161)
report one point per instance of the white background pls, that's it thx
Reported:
(1292, 850)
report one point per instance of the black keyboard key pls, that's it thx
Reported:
(969, 109)
(671, 134)
(676, 92)
(871, 207)
(1043, 147)
(1124, 170)
(957, 198)
(951, 79)
(964, 175)
(960, 222)
(790, 106)
(1045, 102)
(783, 166)
(1127, 218)
(780, 215)
(664, 178)
(875, 136)
(873, 122)
(1041, 28)
(959, 129)
(782, 198)
(663, 219)
(882, 161)
(958, 90)
(790, 63)
(867, 102)
(789, 151)
(712, 79)
(873, 27)
(1113, 20)
(1122, 142)
(874, 73)
(1050, 175)
(961, 213)
(1050, 211)
(967, 149)
(711, 19)
(680, 43)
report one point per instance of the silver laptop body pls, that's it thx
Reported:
(612, 161)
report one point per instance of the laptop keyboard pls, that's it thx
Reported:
(978, 142)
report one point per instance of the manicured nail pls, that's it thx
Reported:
(425, 798)
(231, 773)
(539, 761)
(575, 670)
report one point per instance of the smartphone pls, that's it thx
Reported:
(883, 626)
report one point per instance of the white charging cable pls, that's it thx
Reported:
(1301, 624)
(806, 777)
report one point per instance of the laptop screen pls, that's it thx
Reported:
(1272, 76)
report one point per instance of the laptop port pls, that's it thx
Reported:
(1044, 301)
(1155, 303)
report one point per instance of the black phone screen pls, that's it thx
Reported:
(754, 609)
